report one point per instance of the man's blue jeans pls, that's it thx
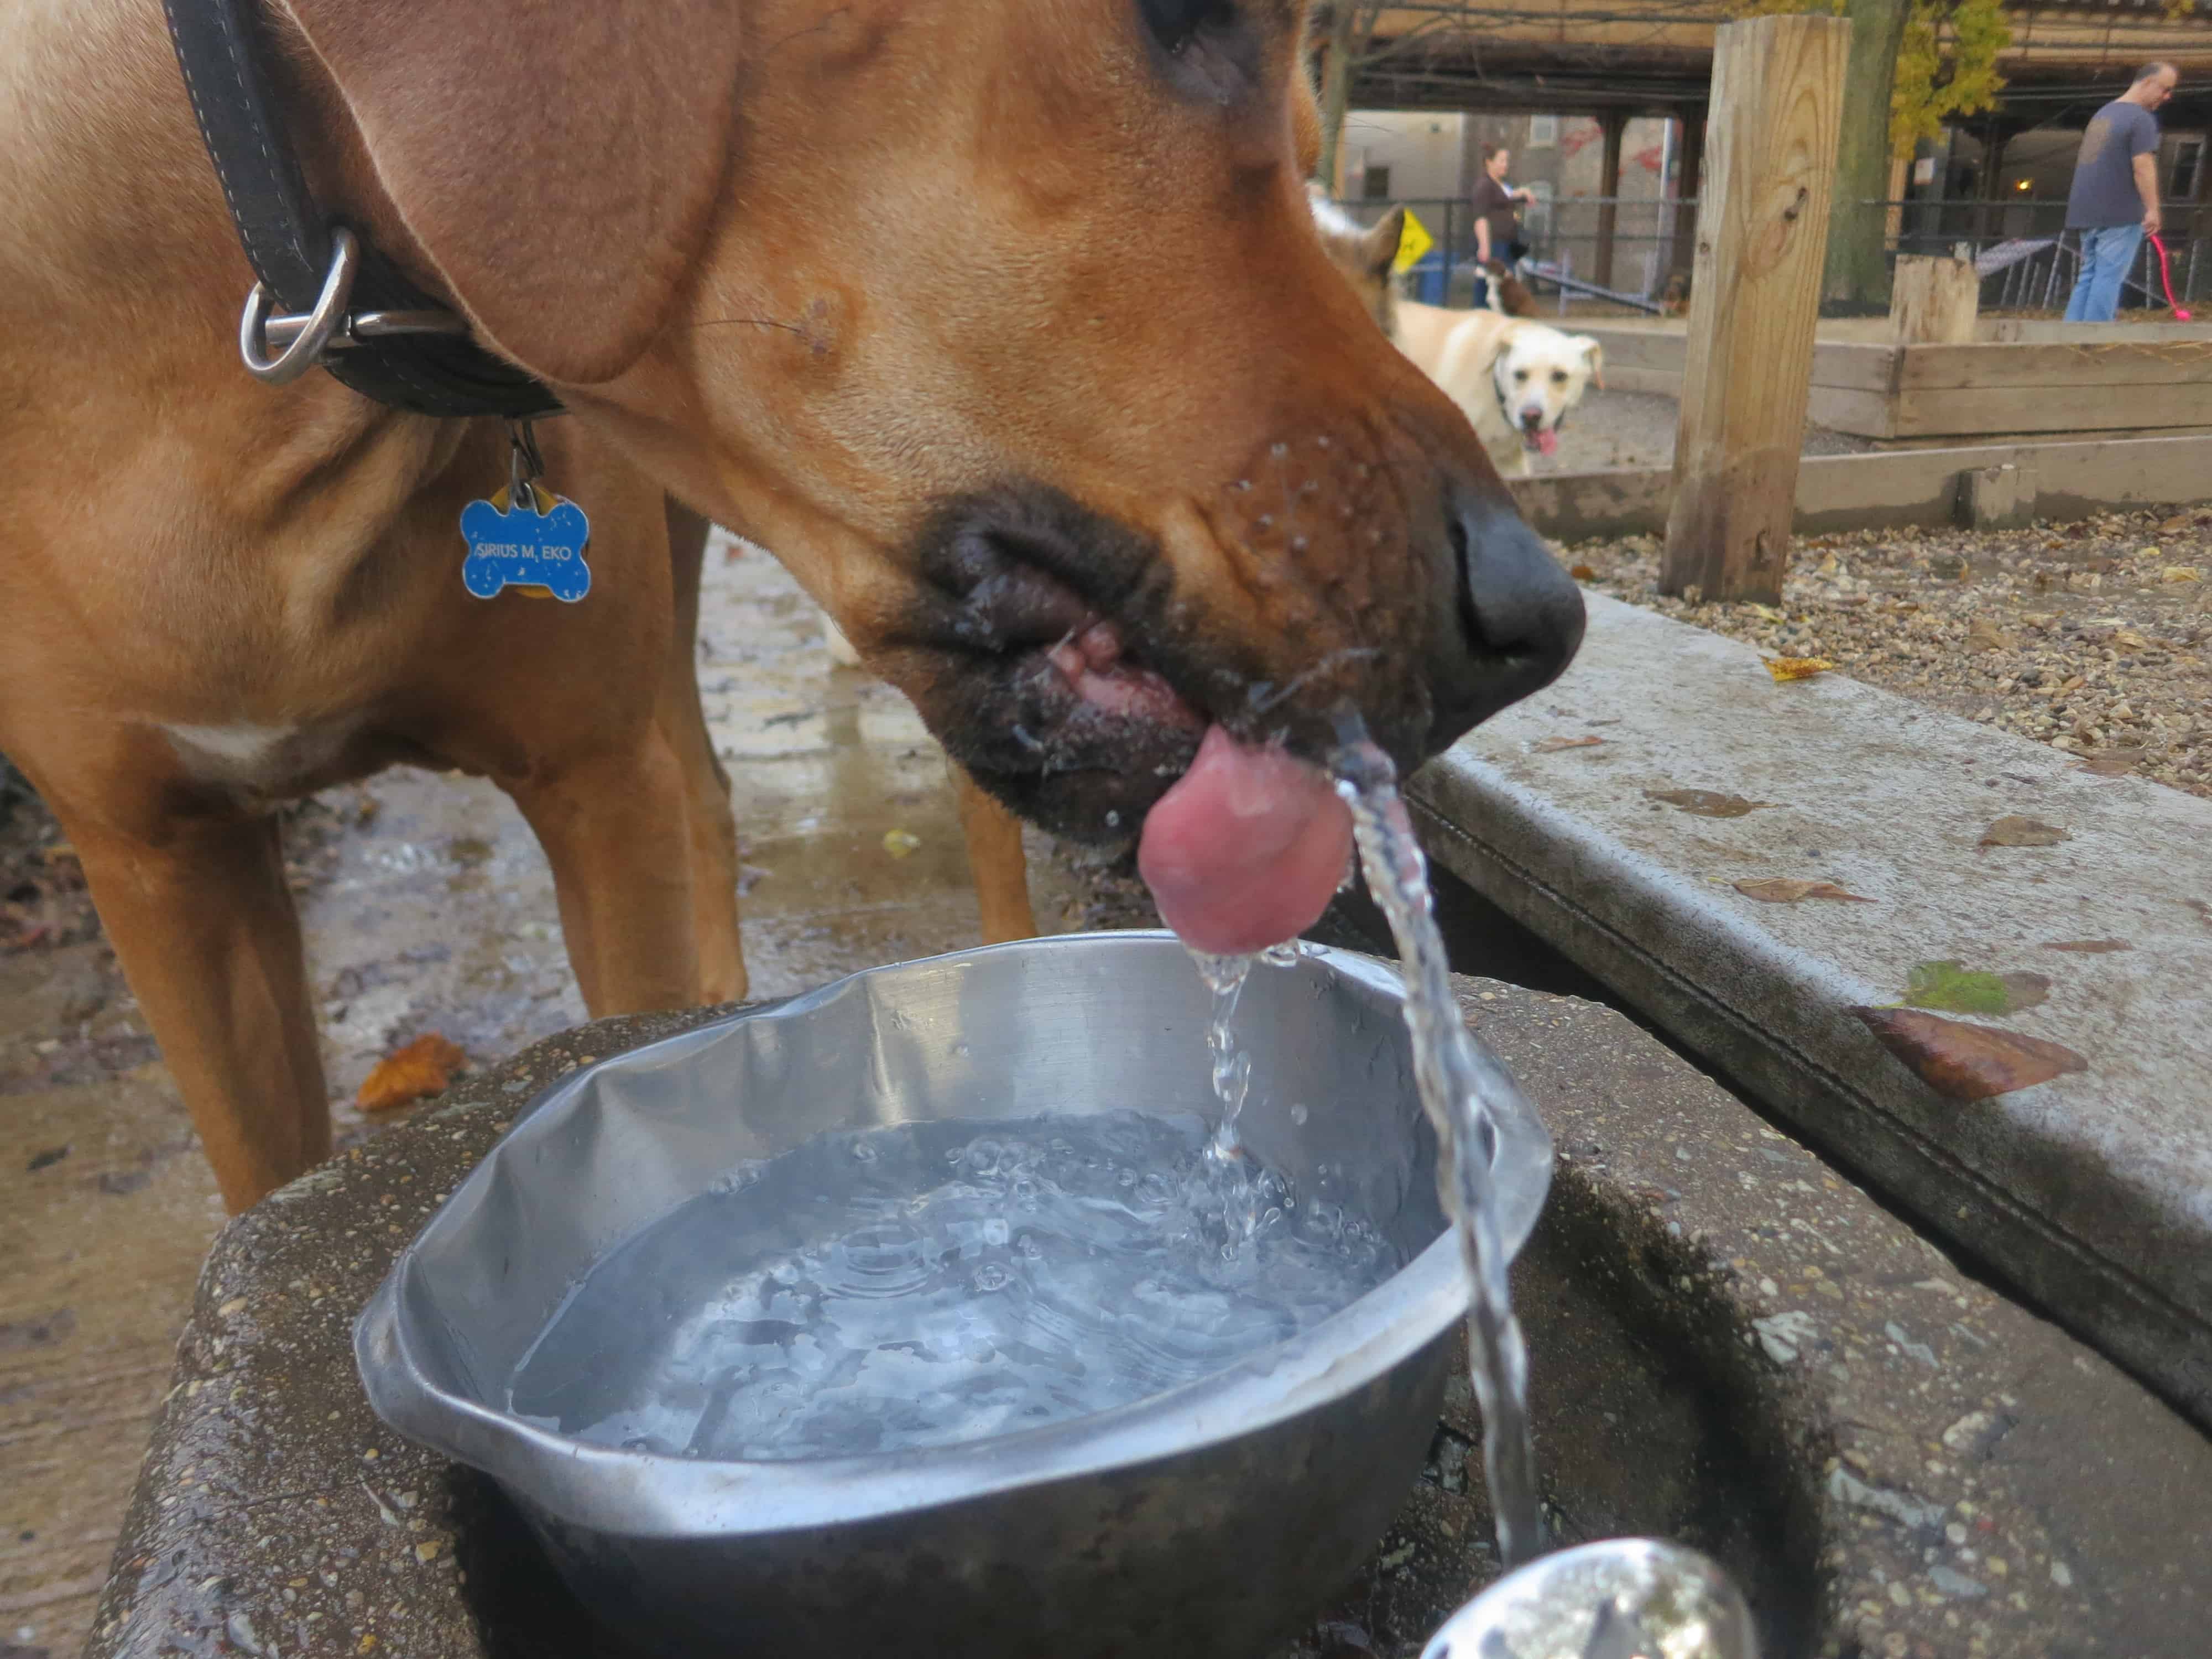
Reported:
(2106, 252)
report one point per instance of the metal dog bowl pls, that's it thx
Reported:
(1201, 1522)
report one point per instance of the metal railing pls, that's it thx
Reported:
(2029, 259)
(1569, 234)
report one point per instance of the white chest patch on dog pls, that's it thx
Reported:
(263, 759)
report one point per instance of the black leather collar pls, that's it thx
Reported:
(426, 361)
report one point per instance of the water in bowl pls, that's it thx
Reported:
(929, 1284)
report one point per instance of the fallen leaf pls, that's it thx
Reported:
(2180, 573)
(423, 1067)
(1797, 668)
(898, 842)
(1707, 803)
(2128, 640)
(1982, 635)
(2179, 521)
(2022, 832)
(1582, 573)
(1781, 890)
(2087, 946)
(2113, 762)
(1957, 989)
(55, 851)
(1967, 1062)
(1553, 746)
(1767, 613)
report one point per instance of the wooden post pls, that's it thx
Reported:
(1754, 297)
(1933, 301)
(1613, 123)
(1995, 140)
(1688, 183)
(2200, 222)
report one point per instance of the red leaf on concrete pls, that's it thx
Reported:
(423, 1067)
(1968, 1062)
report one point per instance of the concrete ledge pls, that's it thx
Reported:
(1729, 1344)
(2092, 1192)
(1885, 491)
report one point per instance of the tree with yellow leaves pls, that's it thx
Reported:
(1914, 64)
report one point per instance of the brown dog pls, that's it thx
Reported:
(1508, 293)
(1003, 324)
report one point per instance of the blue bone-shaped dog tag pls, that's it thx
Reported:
(539, 551)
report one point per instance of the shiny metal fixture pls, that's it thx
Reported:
(1620, 1598)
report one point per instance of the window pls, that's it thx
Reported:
(2188, 162)
(1543, 131)
(1374, 186)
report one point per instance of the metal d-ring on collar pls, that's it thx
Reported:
(401, 347)
(301, 339)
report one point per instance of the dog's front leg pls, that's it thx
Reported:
(995, 862)
(616, 827)
(712, 828)
(203, 925)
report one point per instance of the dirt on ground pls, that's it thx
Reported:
(2092, 637)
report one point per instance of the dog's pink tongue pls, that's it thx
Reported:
(1547, 443)
(1247, 849)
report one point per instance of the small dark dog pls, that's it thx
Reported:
(1508, 293)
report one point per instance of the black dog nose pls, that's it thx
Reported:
(1513, 621)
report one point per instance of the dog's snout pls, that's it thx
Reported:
(1515, 619)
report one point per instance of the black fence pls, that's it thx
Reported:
(1625, 249)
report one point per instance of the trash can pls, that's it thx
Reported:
(1428, 278)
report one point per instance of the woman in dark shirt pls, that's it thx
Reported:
(1497, 232)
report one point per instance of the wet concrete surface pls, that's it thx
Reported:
(1730, 1345)
(427, 908)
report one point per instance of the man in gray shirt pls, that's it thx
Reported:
(2114, 201)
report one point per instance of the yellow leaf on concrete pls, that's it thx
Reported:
(1781, 890)
(1797, 668)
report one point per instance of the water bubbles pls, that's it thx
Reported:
(1285, 955)
(1299, 1115)
(909, 1309)
(960, 1050)
(864, 1151)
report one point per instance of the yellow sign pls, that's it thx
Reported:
(1413, 244)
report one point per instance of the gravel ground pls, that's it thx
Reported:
(1636, 429)
(2091, 637)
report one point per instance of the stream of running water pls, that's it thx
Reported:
(1457, 1082)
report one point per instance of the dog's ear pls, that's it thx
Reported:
(1593, 355)
(1378, 247)
(557, 160)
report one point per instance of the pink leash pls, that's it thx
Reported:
(2166, 279)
